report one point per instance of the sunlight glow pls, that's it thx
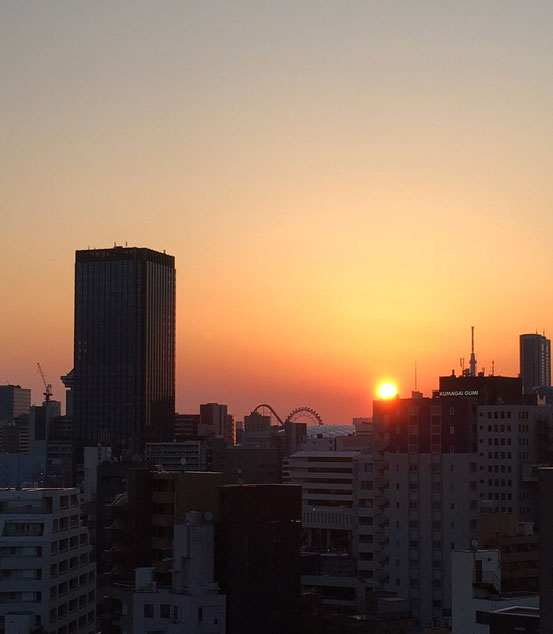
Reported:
(387, 390)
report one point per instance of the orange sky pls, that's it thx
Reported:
(346, 187)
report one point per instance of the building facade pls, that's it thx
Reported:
(188, 455)
(258, 559)
(124, 350)
(512, 440)
(192, 602)
(47, 569)
(15, 401)
(328, 517)
(479, 596)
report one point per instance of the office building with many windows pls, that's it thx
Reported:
(124, 348)
(535, 362)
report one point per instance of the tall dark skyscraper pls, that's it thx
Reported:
(535, 362)
(124, 354)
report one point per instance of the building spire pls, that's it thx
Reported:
(472, 355)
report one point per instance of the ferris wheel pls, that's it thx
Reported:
(305, 412)
(295, 416)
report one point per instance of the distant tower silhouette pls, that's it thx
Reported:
(535, 362)
(472, 355)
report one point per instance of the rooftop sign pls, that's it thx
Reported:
(459, 393)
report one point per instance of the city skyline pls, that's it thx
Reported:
(275, 339)
(346, 188)
(376, 393)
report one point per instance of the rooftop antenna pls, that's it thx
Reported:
(472, 355)
(416, 376)
(493, 368)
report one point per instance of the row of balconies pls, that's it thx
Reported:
(65, 610)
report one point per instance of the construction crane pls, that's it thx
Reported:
(47, 386)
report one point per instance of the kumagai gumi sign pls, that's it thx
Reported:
(459, 393)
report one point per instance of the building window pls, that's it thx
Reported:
(148, 611)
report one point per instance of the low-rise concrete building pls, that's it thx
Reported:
(477, 591)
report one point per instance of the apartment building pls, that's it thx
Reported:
(46, 568)
(328, 518)
(512, 440)
(163, 499)
(411, 509)
(187, 455)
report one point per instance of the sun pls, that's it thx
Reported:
(387, 390)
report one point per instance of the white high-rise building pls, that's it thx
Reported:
(410, 510)
(46, 569)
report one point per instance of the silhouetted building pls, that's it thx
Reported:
(140, 520)
(101, 486)
(14, 436)
(68, 380)
(42, 419)
(535, 362)
(249, 465)
(295, 436)
(15, 401)
(256, 422)
(258, 562)
(186, 425)
(229, 433)
(124, 349)
(488, 390)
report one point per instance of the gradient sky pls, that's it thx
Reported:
(346, 186)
